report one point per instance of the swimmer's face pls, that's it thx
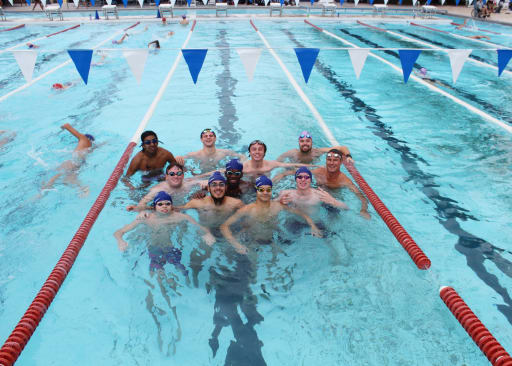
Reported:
(164, 207)
(305, 144)
(257, 152)
(332, 162)
(208, 139)
(303, 181)
(233, 176)
(149, 145)
(174, 177)
(264, 193)
(217, 189)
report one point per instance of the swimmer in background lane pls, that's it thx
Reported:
(69, 169)
(184, 20)
(151, 159)
(306, 153)
(423, 74)
(120, 40)
(154, 44)
(32, 45)
(261, 218)
(64, 86)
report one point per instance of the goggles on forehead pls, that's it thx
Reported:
(207, 130)
(305, 135)
(333, 155)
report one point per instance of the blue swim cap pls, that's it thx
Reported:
(263, 181)
(303, 169)
(90, 137)
(234, 164)
(162, 196)
(216, 176)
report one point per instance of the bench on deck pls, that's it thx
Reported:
(276, 7)
(166, 8)
(53, 9)
(328, 6)
(428, 11)
(380, 9)
(2, 14)
(221, 7)
(109, 9)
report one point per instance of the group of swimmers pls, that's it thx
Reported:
(220, 197)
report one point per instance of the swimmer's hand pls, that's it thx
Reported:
(203, 184)
(325, 197)
(365, 214)
(209, 239)
(180, 160)
(198, 195)
(241, 249)
(133, 208)
(285, 198)
(122, 245)
(317, 232)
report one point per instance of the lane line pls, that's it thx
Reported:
(51, 71)
(434, 88)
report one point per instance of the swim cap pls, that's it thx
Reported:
(263, 181)
(216, 176)
(423, 71)
(164, 19)
(90, 137)
(305, 134)
(303, 169)
(58, 86)
(162, 196)
(184, 16)
(234, 164)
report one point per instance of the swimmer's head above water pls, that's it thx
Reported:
(234, 172)
(217, 187)
(305, 142)
(263, 188)
(208, 137)
(423, 72)
(303, 177)
(257, 150)
(162, 202)
(174, 175)
(90, 137)
(333, 160)
(149, 142)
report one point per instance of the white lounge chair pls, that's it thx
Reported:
(428, 11)
(166, 8)
(328, 6)
(380, 9)
(276, 7)
(2, 14)
(109, 9)
(221, 7)
(53, 9)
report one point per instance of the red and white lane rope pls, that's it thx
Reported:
(21, 334)
(492, 349)
(12, 28)
(62, 31)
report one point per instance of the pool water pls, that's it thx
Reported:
(353, 297)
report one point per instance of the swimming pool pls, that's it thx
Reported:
(352, 298)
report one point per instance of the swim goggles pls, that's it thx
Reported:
(172, 174)
(302, 176)
(218, 184)
(305, 135)
(333, 155)
(164, 203)
(207, 130)
(261, 189)
(236, 174)
(149, 142)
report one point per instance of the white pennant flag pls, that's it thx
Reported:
(109, 2)
(356, 2)
(236, 3)
(414, 2)
(385, 2)
(26, 60)
(358, 58)
(136, 60)
(457, 59)
(76, 3)
(266, 2)
(141, 2)
(11, 2)
(442, 2)
(205, 2)
(172, 3)
(249, 57)
(44, 3)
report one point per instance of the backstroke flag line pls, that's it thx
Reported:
(250, 58)
(136, 59)
(82, 61)
(457, 60)
(407, 59)
(307, 58)
(26, 60)
(503, 59)
(358, 59)
(194, 59)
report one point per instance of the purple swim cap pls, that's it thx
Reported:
(305, 134)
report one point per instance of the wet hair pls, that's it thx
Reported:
(146, 134)
(259, 142)
(172, 165)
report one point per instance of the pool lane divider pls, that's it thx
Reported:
(131, 26)
(62, 31)
(432, 87)
(492, 349)
(25, 328)
(49, 72)
(414, 40)
(417, 255)
(12, 28)
(35, 40)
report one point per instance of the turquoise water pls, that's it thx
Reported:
(353, 298)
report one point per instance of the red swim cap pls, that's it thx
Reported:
(58, 86)
(164, 19)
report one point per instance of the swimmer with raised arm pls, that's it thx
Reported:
(261, 218)
(306, 153)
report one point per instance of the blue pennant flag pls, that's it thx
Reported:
(189, 2)
(82, 61)
(428, 2)
(97, 16)
(341, 3)
(157, 3)
(312, 2)
(399, 2)
(93, 3)
(60, 3)
(194, 59)
(282, 2)
(484, 1)
(408, 58)
(125, 3)
(158, 14)
(307, 58)
(371, 2)
(503, 59)
(28, 2)
(457, 2)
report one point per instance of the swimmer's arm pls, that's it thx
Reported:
(192, 204)
(315, 231)
(292, 165)
(143, 204)
(171, 159)
(325, 197)
(280, 176)
(121, 243)
(226, 231)
(207, 237)
(134, 166)
(285, 155)
(364, 203)
(73, 131)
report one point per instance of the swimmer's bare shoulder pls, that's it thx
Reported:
(233, 202)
